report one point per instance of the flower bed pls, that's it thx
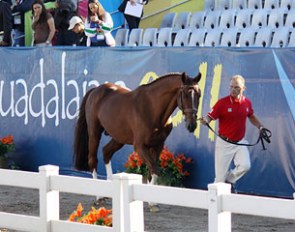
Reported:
(172, 167)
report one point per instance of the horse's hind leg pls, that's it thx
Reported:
(108, 151)
(94, 139)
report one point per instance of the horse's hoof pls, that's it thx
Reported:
(154, 208)
(99, 201)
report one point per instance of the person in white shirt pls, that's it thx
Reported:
(98, 25)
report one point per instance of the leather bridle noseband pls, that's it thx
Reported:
(193, 109)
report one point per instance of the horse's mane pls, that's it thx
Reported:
(164, 76)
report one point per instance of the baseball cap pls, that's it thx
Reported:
(73, 21)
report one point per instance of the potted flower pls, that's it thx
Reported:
(6, 145)
(172, 167)
(101, 216)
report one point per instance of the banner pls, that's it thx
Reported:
(41, 90)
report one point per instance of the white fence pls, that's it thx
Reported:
(128, 194)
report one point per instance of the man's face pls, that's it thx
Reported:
(236, 88)
(78, 28)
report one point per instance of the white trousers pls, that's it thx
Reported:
(225, 153)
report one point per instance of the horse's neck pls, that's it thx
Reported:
(165, 94)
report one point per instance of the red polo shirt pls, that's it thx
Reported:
(232, 115)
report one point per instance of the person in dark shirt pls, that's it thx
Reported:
(132, 21)
(77, 26)
(5, 22)
(18, 12)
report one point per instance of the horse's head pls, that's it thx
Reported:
(188, 100)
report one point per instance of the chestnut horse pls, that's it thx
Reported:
(138, 117)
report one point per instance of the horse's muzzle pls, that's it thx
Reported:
(191, 127)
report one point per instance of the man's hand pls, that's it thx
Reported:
(265, 133)
(203, 120)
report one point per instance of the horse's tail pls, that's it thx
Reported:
(81, 138)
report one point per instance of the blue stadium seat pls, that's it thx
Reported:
(280, 37)
(168, 20)
(197, 38)
(229, 38)
(227, 19)
(239, 4)
(247, 37)
(209, 5)
(135, 37)
(263, 37)
(164, 37)
(255, 4)
(149, 37)
(197, 20)
(213, 38)
(121, 37)
(182, 37)
(182, 20)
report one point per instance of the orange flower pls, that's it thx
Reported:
(7, 140)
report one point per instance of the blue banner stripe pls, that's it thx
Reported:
(287, 86)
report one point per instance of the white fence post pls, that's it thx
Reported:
(49, 200)
(127, 213)
(218, 221)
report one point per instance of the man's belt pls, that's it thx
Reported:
(228, 140)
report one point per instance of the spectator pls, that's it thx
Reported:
(5, 22)
(43, 24)
(19, 10)
(232, 112)
(98, 25)
(77, 26)
(65, 9)
(132, 21)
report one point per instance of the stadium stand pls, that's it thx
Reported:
(239, 4)
(227, 19)
(212, 19)
(197, 20)
(213, 38)
(255, 4)
(263, 37)
(287, 4)
(290, 19)
(164, 37)
(121, 37)
(135, 37)
(271, 4)
(291, 42)
(243, 18)
(247, 37)
(182, 37)
(209, 5)
(280, 37)
(276, 18)
(229, 38)
(182, 20)
(197, 38)
(259, 18)
(224, 4)
(149, 38)
(168, 20)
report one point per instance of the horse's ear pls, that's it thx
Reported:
(184, 77)
(198, 78)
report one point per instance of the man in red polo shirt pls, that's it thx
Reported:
(232, 112)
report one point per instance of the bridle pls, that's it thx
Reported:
(180, 94)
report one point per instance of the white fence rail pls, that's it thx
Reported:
(128, 194)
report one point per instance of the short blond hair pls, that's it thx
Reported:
(239, 78)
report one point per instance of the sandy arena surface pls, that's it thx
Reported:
(169, 218)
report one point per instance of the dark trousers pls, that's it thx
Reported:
(133, 22)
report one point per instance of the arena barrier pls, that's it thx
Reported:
(128, 194)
